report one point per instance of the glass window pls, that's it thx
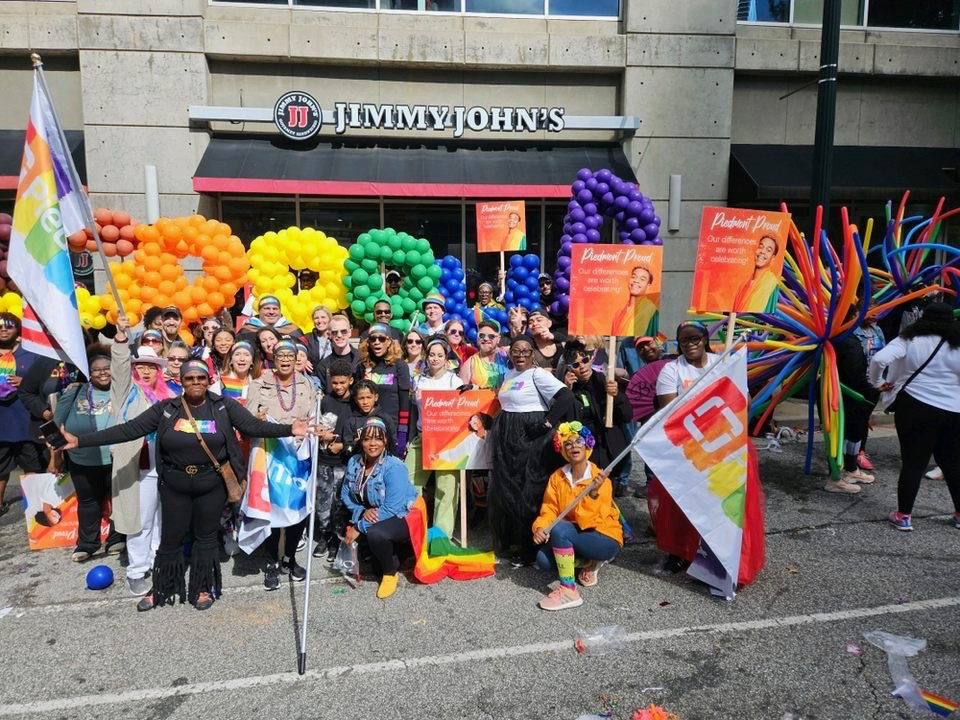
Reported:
(341, 220)
(439, 224)
(598, 8)
(485, 266)
(7, 199)
(251, 218)
(811, 11)
(927, 15)
(506, 7)
(763, 10)
(363, 4)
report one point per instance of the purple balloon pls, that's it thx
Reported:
(564, 301)
(617, 187)
(634, 207)
(607, 198)
(590, 208)
(580, 238)
(563, 262)
(647, 215)
(585, 196)
(601, 188)
(577, 186)
(578, 215)
(638, 236)
(555, 307)
(566, 228)
(593, 221)
(620, 216)
(566, 239)
(563, 284)
(621, 202)
(593, 235)
(651, 230)
(631, 223)
(577, 228)
(591, 184)
(634, 194)
(573, 205)
(656, 220)
(604, 175)
(565, 249)
(584, 174)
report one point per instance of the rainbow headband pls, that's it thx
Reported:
(574, 429)
(242, 345)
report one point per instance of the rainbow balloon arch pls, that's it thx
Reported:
(792, 349)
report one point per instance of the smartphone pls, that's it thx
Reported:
(51, 433)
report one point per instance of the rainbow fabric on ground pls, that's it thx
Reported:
(437, 557)
(939, 705)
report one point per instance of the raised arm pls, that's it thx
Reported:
(246, 423)
(143, 424)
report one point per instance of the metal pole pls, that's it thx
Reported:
(826, 109)
(312, 506)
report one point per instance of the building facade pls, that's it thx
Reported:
(719, 92)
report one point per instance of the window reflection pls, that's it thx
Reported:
(342, 221)
(506, 7)
(926, 15)
(763, 10)
(251, 218)
(597, 8)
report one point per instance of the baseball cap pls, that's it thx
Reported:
(171, 310)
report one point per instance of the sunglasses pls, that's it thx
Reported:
(386, 311)
(580, 363)
(195, 379)
(152, 341)
(9, 324)
(414, 341)
(339, 333)
(521, 353)
(378, 338)
(176, 358)
(690, 340)
(486, 336)
(454, 331)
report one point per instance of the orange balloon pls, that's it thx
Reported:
(202, 241)
(139, 230)
(133, 305)
(211, 283)
(153, 263)
(229, 290)
(221, 241)
(204, 310)
(182, 299)
(169, 272)
(140, 255)
(209, 253)
(236, 248)
(152, 278)
(103, 216)
(161, 300)
(121, 218)
(166, 287)
(134, 291)
(198, 294)
(222, 274)
(122, 280)
(190, 233)
(181, 282)
(224, 229)
(124, 247)
(238, 265)
(182, 249)
(216, 299)
(109, 249)
(133, 317)
(139, 273)
(190, 315)
(112, 316)
(110, 233)
(168, 258)
(210, 227)
(152, 248)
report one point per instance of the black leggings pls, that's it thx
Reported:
(292, 539)
(186, 500)
(924, 430)
(384, 538)
(93, 486)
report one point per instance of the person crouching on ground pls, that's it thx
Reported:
(591, 531)
(378, 494)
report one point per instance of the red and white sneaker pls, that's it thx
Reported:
(561, 599)
(863, 460)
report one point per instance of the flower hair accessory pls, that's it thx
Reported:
(569, 430)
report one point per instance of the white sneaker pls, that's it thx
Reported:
(839, 486)
(858, 476)
(139, 586)
(934, 473)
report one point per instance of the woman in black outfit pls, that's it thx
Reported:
(192, 492)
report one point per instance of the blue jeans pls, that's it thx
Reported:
(623, 477)
(586, 544)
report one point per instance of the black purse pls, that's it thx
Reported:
(892, 407)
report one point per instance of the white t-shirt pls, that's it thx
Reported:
(677, 376)
(528, 391)
(939, 382)
(447, 381)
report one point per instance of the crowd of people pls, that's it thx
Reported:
(158, 429)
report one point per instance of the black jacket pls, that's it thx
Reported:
(45, 377)
(161, 417)
(591, 403)
(322, 370)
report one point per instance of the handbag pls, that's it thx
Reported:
(235, 487)
(892, 407)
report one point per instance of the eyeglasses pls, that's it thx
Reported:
(414, 341)
(100, 371)
(454, 331)
(580, 363)
(521, 353)
(152, 341)
(285, 356)
(689, 341)
(575, 442)
(339, 333)
(378, 338)
(486, 336)
(176, 358)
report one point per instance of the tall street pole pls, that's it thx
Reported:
(826, 110)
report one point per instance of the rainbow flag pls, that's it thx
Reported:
(233, 388)
(49, 207)
(437, 557)
(938, 705)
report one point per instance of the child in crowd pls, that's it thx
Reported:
(331, 461)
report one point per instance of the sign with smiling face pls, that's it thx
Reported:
(739, 260)
(615, 289)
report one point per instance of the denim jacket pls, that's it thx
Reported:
(389, 490)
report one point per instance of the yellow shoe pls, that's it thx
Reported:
(388, 586)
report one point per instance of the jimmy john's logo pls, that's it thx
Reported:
(297, 115)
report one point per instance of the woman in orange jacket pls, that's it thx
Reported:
(590, 531)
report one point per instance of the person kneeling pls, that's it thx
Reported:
(590, 531)
(378, 494)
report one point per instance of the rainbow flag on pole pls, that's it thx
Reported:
(49, 207)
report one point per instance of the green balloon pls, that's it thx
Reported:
(375, 282)
(370, 265)
(368, 317)
(349, 265)
(423, 245)
(370, 302)
(427, 258)
(393, 241)
(356, 252)
(407, 243)
(358, 307)
(413, 258)
(434, 272)
(418, 271)
(378, 236)
(348, 281)
(397, 323)
(408, 306)
(363, 238)
(416, 295)
(398, 258)
(402, 293)
(361, 292)
(425, 284)
(360, 276)
(396, 300)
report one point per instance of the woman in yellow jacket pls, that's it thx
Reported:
(590, 531)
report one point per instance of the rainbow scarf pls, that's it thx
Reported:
(8, 367)
(437, 557)
(233, 388)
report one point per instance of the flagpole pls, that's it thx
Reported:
(312, 515)
(649, 425)
(75, 179)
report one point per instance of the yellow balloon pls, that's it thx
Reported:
(98, 322)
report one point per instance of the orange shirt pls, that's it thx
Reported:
(598, 514)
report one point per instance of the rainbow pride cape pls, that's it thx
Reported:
(437, 557)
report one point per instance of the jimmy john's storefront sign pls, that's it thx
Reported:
(298, 116)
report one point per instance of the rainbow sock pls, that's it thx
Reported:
(564, 558)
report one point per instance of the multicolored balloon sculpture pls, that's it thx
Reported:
(596, 195)
(117, 231)
(380, 250)
(523, 287)
(273, 254)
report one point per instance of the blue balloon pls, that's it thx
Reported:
(99, 577)
(472, 334)
(516, 261)
(509, 297)
(532, 282)
(458, 274)
(531, 261)
(459, 296)
(520, 273)
(444, 276)
(527, 304)
(511, 283)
